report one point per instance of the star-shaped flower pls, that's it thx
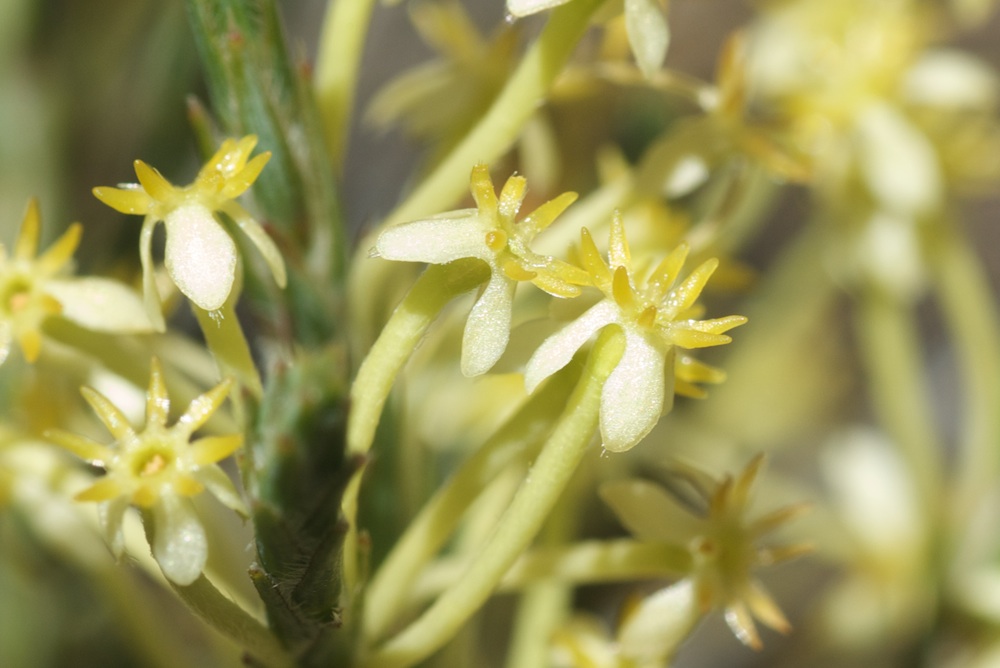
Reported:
(159, 469)
(200, 255)
(710, 516)
(657, 317)
(36, 287)
(492, 234)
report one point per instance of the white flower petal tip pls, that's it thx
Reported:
(180, 545)
(522, 8)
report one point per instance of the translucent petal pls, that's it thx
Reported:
(260, 239)
(30, 341)
(487, 330)
(219, 484)
(557, 350)
(447, 28)
(592, 260)
(694, 371)
(633, 395)
(101, 305)
(685, 295)
(519, 8)
(27, 238)
(765, 609)
(110, 416)
(648, 34)
(481, 186)
(666, 273)
(153, 182)
(200, 256)
(111, 514)
(59, 253)
(212, 449)
(135, 202)
(180, 545)
(185, 485)
(436, 240)
(621, 288)
(649, 512)
(654, 631)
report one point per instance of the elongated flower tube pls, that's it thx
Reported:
(492, 234)
(200, 255)
(657, 317)
(35, 287)
(159, 469)
(710, 516)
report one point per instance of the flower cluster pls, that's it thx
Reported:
(658, 315)
(36, 287)
(158, 469)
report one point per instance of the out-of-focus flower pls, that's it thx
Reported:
(492, 234)
(645, 24)
(159, 469)
(200, 255)
(36, 287)
(658, 316)
(710, 516)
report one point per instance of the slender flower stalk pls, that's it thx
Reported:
(519, 524)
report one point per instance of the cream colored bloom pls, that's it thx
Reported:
(492, 234)
(711, 518)
(200, 255)
(159, 469)
(36, 287)
(657, 317)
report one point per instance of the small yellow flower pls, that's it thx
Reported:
(492, 234)
(158, 469)
(35, 287)
(657, 317)
(710, 517)
(200, 255)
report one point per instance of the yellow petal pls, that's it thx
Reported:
(544, 215)
(187, 486)
(237, 184)
(482, 189)
(618, 251)
(512, 196)
(90, 451)
(126, 201)
(30, 340)
(27, 239)
(104, 489)
(153, 182)
(592, 260)
(110, 416)
(212, 449)
(202, 407)
(157, 401)
(60, 252)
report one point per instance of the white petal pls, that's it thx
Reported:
(110, 515)
(100, 304)
(557, 350)
(898, 162)
(264, 244)
(200, 256)
(632, 398)
(653, 632)
(520, 8)
(951, 78)
(180, 545)
(435, 240)
(219, 484)
(487, 330)
(648, 511)
(648, 34)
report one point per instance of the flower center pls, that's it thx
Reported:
(152, 461)
(15, 295)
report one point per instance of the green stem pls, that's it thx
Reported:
(437, 520)
(230, 619)
(970, 310)
(534, 500)
(341, 44)
(499, 127)
(892, 358)
(438, 285)
(586, 562)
